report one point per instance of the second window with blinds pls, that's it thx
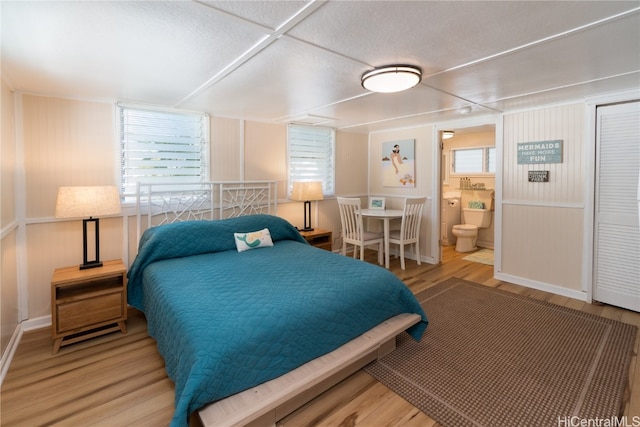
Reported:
(311, 156)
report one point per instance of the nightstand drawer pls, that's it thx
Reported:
(90, 311)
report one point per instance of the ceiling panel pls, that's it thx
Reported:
(274, 60)
(152, 52)
(575, 92)
(286, 78)
(439, 35)
(270, 14)
(576, 58)
(379, 107)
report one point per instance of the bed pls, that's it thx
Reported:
(247, 336)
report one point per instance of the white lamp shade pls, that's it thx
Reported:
(83, 202)
(307, 191)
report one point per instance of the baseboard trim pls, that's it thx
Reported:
(484, 244)
(542, 286)
(10, 351)
(12, 346)
(37, 323)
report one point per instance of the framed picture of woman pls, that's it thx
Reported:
(398, 163)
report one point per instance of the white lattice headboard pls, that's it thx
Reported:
(167, 203)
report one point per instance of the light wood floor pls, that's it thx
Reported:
(119, 380)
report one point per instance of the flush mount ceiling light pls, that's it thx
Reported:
(391, 78)
(446, 134)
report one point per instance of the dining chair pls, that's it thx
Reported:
(353, 231)
(409, 232)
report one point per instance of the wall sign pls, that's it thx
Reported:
(538, 176)
(540, 152)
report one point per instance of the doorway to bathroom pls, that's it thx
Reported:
(467, 186)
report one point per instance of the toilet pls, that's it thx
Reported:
(467, 233)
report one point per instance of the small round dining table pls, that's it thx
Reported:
(386, 215)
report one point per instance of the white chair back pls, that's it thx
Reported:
(411, 219)
(353, 231)
(351, 221)
(409, 232)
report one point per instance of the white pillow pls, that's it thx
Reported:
(253, 240)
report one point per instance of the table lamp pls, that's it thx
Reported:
(306, 192)
(83, 202)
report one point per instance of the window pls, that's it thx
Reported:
(474, 160)
(491, 160)
(161, 146)
(311, 152)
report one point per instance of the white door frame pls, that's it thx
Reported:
(436, 213)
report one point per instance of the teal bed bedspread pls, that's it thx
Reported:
(225, 321)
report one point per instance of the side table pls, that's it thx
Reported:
(88, 303)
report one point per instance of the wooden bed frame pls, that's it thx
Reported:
(269, 402)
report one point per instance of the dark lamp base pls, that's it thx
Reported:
(91, 264)
(96, 261)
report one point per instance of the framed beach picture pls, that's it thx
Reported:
(376, 203)
(398, 163)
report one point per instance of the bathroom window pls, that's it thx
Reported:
(491, 159)
(473, 160)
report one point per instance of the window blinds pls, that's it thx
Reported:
(467, 161)
(474, 160)
(311, 156)
(161, 146)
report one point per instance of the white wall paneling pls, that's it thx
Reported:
(542, 223)
(425, 179)
(543, 244)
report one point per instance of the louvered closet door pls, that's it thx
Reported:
(617, 223)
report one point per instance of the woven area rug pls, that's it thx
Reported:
(493, 358)
(483, 256)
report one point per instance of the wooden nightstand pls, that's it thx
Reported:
(88, 303)
(318, 238)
